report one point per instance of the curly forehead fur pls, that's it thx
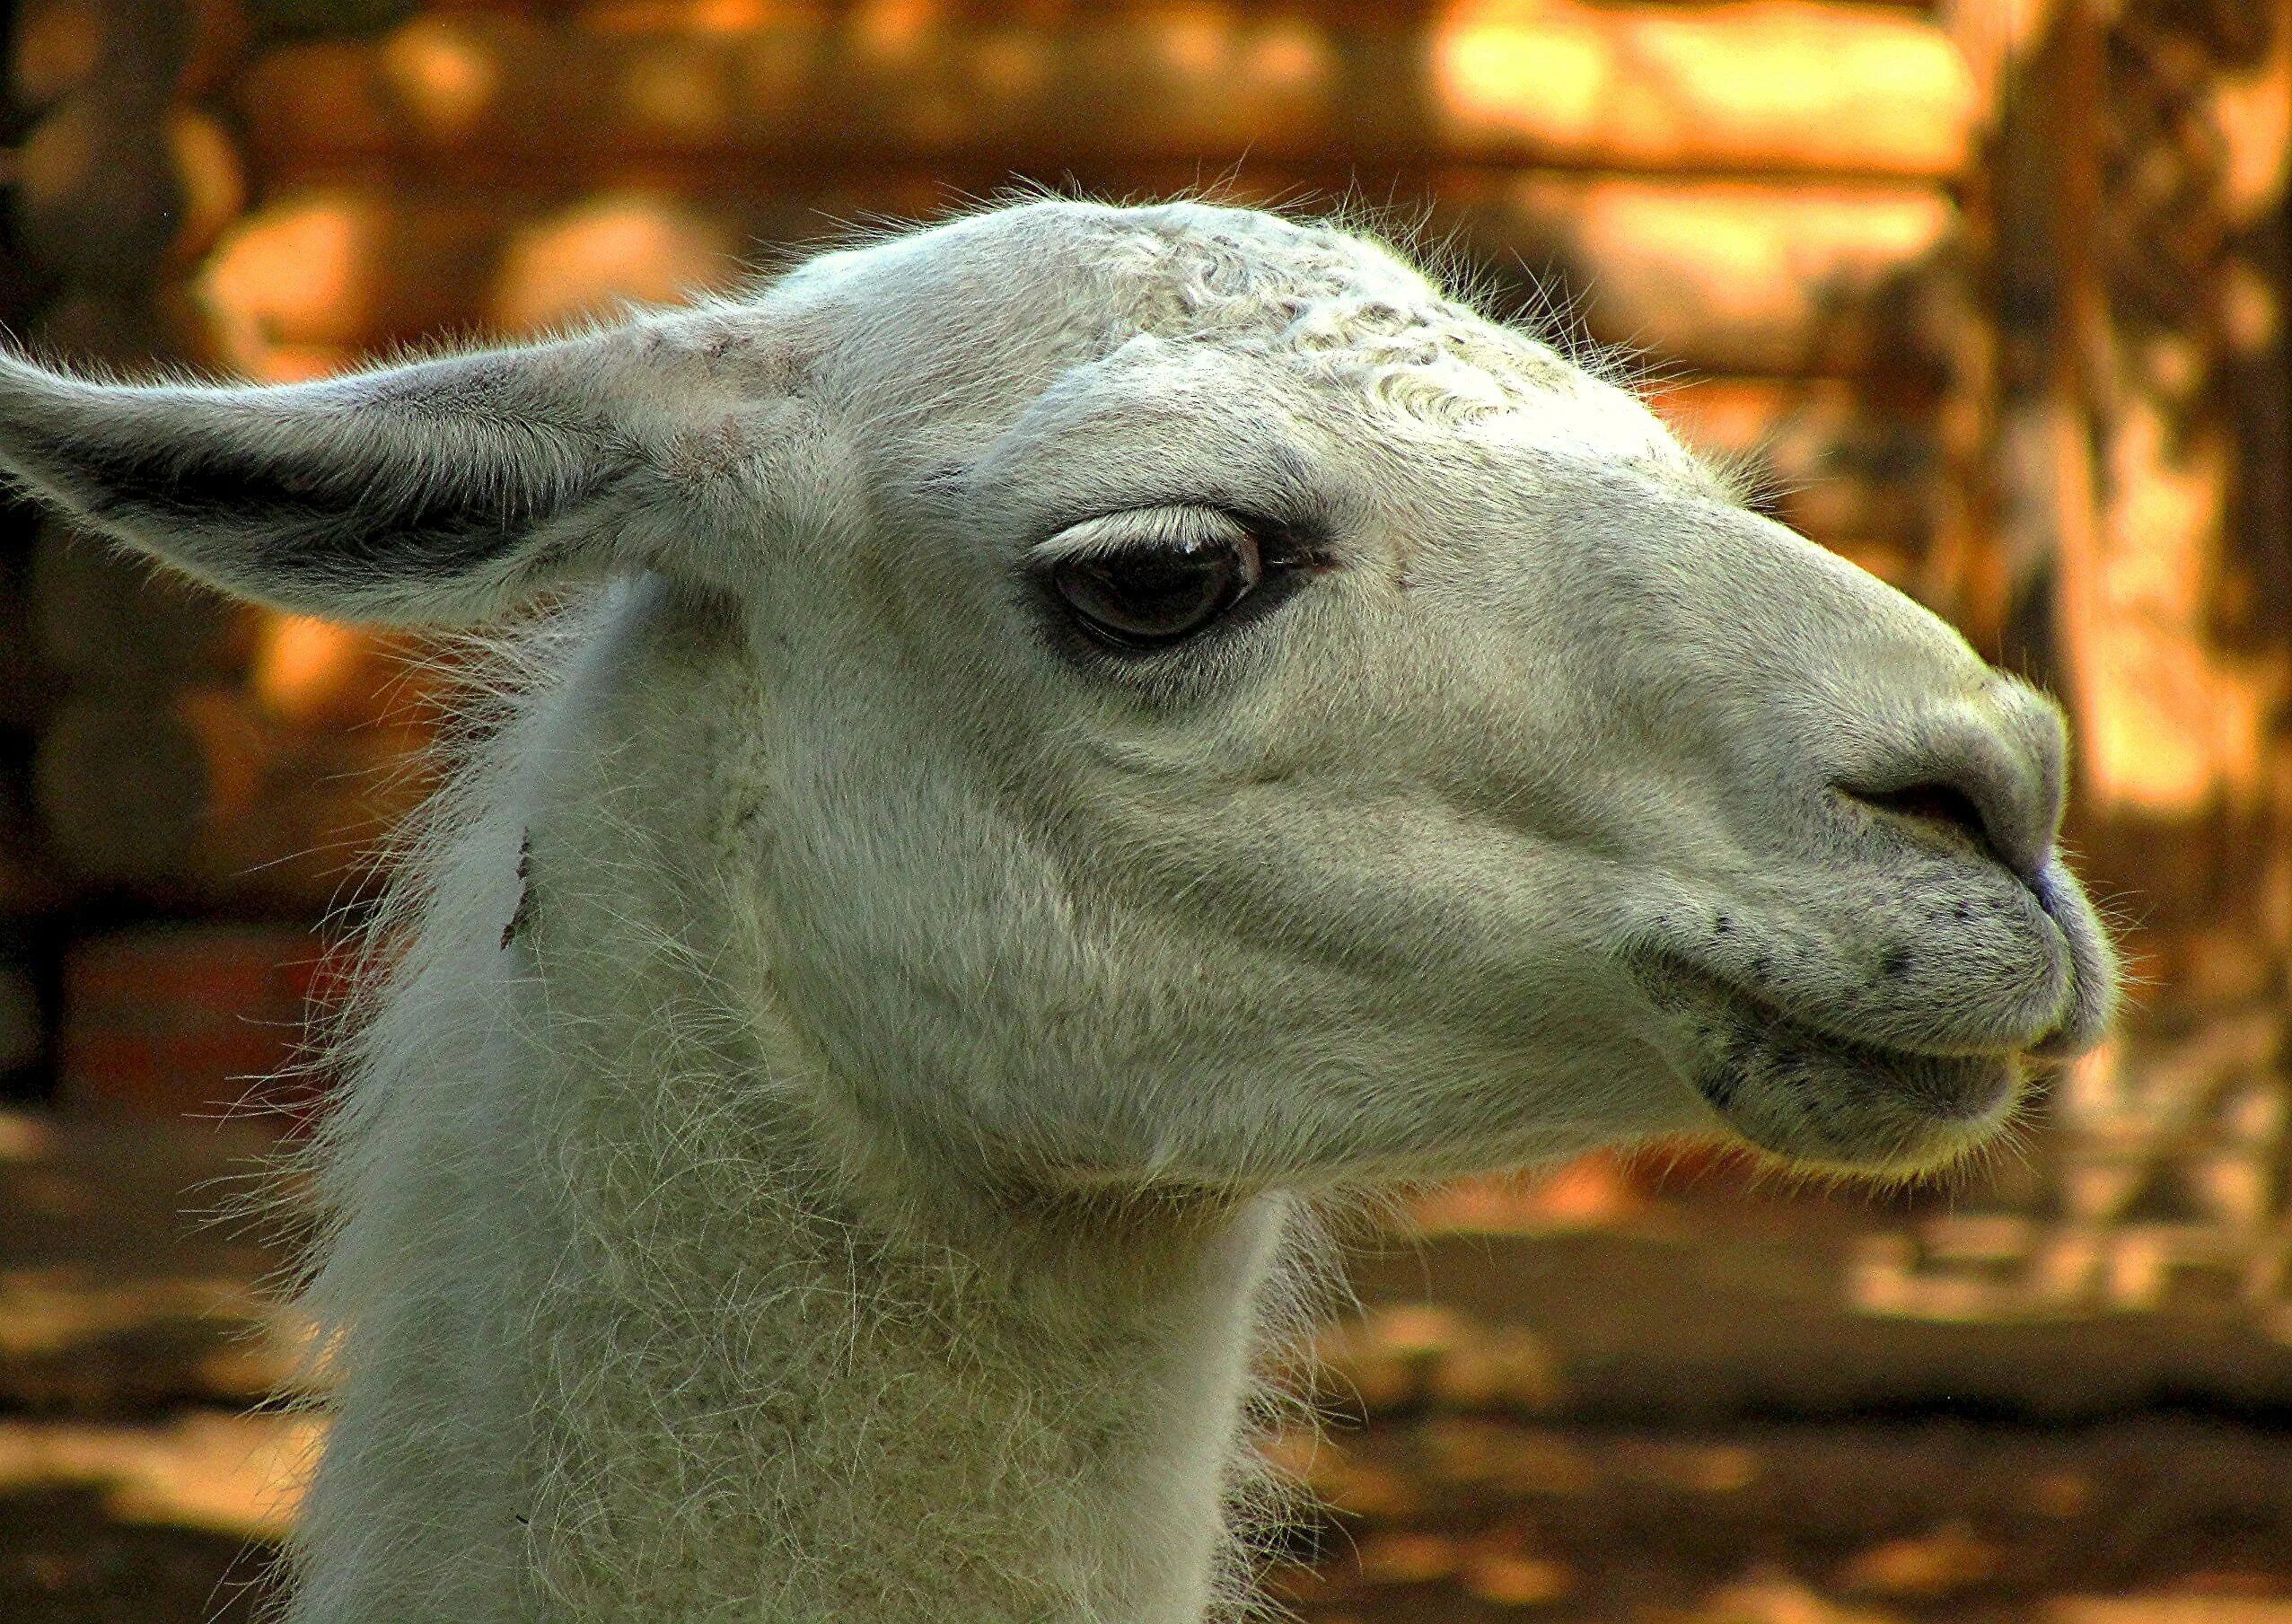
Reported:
(1336, 307)
(1342, 309)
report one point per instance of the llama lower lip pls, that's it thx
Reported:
(1943, 1087)
(1816, 1098)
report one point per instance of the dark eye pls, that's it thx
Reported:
(1147, 596)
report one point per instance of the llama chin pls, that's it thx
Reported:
(1075, 732)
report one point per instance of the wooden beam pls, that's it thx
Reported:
(1757, 85)
(1745, 86)
(1731, 277)
(2176, 725)
(1727, 276)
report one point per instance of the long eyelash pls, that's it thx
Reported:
(1171, 526)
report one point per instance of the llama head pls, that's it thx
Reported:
(1225, 714)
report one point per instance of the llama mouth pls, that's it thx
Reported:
(1820, 1099)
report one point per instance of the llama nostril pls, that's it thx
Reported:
(1943, 805)
(1987, 770)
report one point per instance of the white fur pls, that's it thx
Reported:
(844, 1178)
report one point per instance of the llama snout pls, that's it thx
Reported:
(1981, 780)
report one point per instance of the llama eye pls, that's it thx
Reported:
(1145, 597)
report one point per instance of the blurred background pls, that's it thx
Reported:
(1992, 294)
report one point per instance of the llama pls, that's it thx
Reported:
(1069, 737)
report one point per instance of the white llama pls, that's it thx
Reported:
(1095, 726)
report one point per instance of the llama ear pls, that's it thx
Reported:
(430, 492)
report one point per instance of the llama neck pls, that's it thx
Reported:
(626, 1332)
(1014, 1416)
(667, 1366)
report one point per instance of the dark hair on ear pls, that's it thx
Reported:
(419, 491)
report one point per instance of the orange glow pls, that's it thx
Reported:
(25, 1138)
(1495, 69)
(717, 17)
(2252, 113)
(894, 28)
(734, 16)
(630, 246)
(444, 74)
(1193, 41)
(1768, 81)
(237, 1475)
(1290, 57)
(674, 90)
(1745, 241)
(1012, 66)
(303, 266)
(1775, 273)
(1893, 564)
(1589, 1192)
(1727, 415)
(1509, 1579)
(301, 362)
(215, 188)
(2170, 727)
(57, 47)
(302, 667)
(2251, 315)
(232, 749)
